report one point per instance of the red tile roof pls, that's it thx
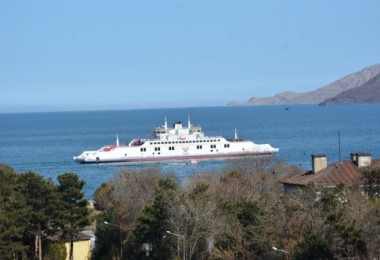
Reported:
(345, 172)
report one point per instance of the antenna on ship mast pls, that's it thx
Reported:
(166, 124)
(188, 121)
(236, 136)
(339, 144)
(117, 141)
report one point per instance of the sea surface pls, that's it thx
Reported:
(46, 142)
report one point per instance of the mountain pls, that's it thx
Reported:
(318, 96)
(368, 93)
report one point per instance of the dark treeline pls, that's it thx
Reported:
(37, 216)
(240, 213)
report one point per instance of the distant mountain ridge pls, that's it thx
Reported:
(354, 82)
(368, 93)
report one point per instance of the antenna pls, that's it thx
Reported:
(339, 144)
(166, 124)
(117, 141)
(236, 136)
(188, 121)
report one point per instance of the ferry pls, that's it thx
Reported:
(183, 143)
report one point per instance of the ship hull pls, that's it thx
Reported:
(172, 158)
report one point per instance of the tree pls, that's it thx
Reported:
(313, 246)
(41, 200)
(371, 178)
(121, 202)
(247, 238)
(55, 251)
(12, 214)
(153, 223)
(192, 215)
(76, 215)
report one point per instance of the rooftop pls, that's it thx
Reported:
(345, 172)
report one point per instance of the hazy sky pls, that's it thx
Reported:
(86, 55)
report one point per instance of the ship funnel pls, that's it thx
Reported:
(117, 141)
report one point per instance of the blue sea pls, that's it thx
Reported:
(46, 142)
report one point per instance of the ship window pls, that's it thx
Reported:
(213, 146)
(166, 142)
(157, 149)
(171, 148)
(199, 147)
(226, 145)
(143, 149)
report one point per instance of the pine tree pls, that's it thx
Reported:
(41, 200)
(76, 214)
(12, 214)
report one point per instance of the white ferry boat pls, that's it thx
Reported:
(176, 143)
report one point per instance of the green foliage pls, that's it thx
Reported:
(249, 241)
(102, 197)
(41, 209)
(312, 246)
(12, 214)
(371, 178)
(154, 222)
(345, 239)
(32, 208)
(55, 251)
(72, 198)
(75, 207)
(107, 243)
(349, 240)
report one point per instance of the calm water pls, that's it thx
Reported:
(46, 142)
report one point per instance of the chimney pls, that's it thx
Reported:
(361, 159)
(319, 162)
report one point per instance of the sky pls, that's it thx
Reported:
(121, 54)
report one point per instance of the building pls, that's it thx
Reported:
(347, 172)
(83, 245)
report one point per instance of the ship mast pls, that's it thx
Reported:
(188, 121)
(117, 141)
(236, 136)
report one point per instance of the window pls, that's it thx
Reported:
(199, 147)
(157, 149)
(171, 148)
(226, 145)
(213, 146)
(143, 149)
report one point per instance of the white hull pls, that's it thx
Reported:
(176, 143)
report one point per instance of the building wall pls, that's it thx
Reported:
(82, 250)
